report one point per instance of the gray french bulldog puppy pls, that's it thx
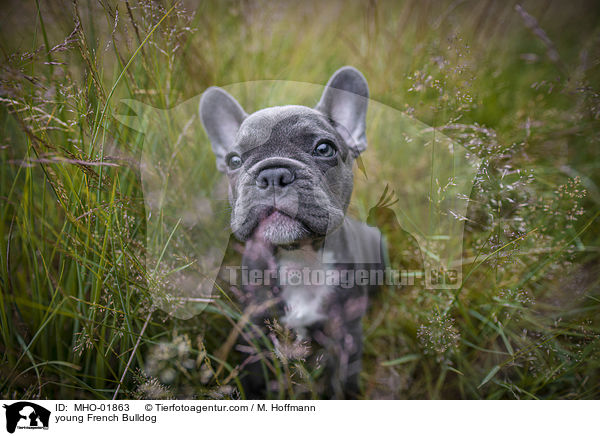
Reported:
(290, 171)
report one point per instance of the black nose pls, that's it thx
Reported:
(275, 177)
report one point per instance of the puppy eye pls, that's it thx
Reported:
(234, 162)
(324, 149)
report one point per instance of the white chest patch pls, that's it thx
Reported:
(305, 303)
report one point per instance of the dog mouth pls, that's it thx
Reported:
(278, 227)
(276, 217)
(283, 218)
(273, 215)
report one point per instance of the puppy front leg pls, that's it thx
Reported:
(341, 346)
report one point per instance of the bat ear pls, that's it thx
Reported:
(345, 101)
(221, 116)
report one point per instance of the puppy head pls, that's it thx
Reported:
(289, 167)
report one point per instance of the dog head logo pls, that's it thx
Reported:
(26, 415)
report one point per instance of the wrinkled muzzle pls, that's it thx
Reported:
(282, 202)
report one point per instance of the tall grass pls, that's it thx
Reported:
(517, 85)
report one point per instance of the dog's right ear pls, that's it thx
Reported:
(345, 100)
(221, 116)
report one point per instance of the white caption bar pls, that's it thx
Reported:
(299, 417)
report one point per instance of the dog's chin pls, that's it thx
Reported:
(280, 229)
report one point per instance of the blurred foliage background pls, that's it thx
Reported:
(517, 84)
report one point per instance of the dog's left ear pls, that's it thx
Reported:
(221, 116)
(345, 100)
